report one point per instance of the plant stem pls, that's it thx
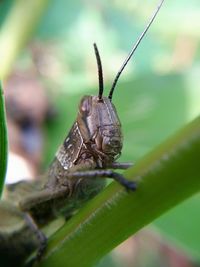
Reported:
(3, 141)
(165, 177)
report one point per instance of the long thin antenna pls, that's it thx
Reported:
(133, 50)
(100, 71)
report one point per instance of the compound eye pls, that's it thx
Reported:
(85, 105)
(112, 146)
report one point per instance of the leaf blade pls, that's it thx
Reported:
(3, 140)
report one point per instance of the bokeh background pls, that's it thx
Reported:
(158, 93)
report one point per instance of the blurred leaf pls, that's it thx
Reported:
(17, 29)
(181, 226)
(4, 9)
(58, 18)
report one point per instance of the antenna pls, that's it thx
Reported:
(100, 71)
(134, 49)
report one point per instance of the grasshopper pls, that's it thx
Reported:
(88, 154)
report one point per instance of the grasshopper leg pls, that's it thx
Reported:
(41, 237)
(120, 165)
(129, 185)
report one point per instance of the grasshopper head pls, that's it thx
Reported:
(100, 127)
(99, 123)
(97, 118)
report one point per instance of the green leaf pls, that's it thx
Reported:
(165, 177)
(3, 140)
(181, 225)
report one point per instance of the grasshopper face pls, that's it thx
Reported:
(100, 127)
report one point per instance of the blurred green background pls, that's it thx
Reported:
(157, 94)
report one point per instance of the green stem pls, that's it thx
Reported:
(3, 141)
(17, 29)
(165, 177)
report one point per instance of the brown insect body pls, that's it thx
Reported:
(94, 142)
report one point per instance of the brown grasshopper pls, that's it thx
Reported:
(87, 155)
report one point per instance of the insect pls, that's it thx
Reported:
(88, 154)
